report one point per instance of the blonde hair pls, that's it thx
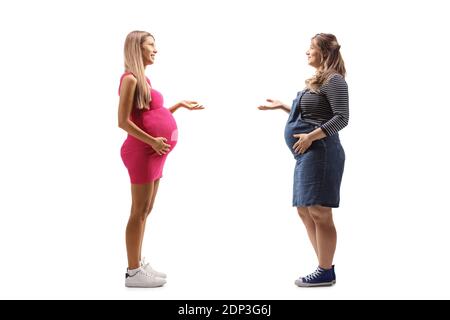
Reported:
(331, 61)
(135, 64)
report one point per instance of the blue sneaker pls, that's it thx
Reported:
(318, 278)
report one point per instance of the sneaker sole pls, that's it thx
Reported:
(141, 286)
(309, 285)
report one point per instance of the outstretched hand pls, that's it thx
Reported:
(274, 104)
(191, 105)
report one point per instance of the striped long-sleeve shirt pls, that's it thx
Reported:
(328, 108)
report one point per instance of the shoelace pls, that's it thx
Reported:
(148, 275)
(314, 275)
(144, 264)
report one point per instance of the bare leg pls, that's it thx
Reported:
(141, 195)
(310, 226)
(325, 234)
(149, 209)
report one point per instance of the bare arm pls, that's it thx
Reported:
(275, 104)
(286, 108)
(127, 90)
(174, 108)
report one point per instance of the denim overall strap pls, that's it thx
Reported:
(295, 109)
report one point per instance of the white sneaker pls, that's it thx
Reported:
(146, 266)
(143, 279)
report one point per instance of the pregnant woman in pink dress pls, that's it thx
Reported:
(152, 134)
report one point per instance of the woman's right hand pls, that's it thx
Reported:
(160, 146)
(274, 104)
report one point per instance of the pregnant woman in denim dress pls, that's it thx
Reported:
(317, 114)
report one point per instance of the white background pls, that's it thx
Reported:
(223, 226)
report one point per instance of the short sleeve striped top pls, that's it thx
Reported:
(328, 108)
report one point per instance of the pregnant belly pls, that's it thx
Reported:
(289, 137)
(294, 128)
(161, 123)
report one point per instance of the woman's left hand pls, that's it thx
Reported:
(190, 105)
(303, 143)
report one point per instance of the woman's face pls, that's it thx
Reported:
(148, 51)
(313, 55)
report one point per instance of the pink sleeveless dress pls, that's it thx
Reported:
(143, 163)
